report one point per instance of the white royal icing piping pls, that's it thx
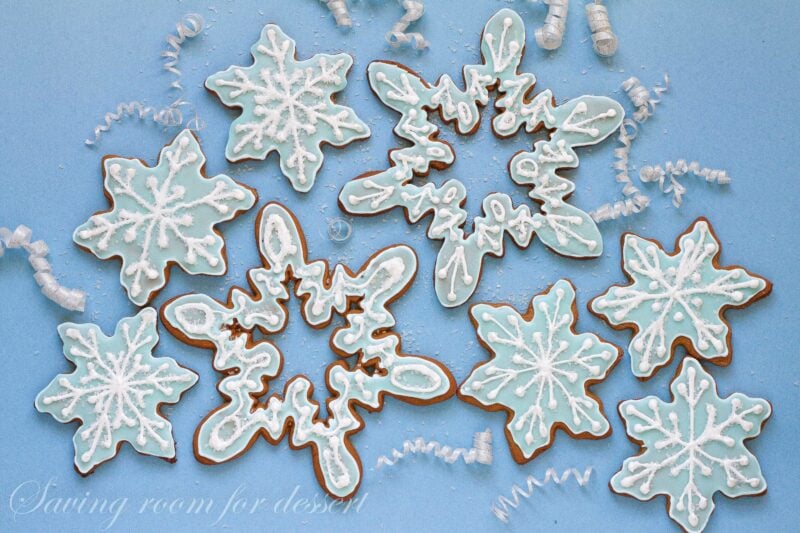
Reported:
(380, 367)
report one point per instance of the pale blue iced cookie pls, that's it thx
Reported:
(677, 299)
(583, 121)
(692, 447)
(287, 106)
(162, 215)
(116, 390)
(368, 364)
(540, 371)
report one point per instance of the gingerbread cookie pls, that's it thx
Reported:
(540, 371)
(287, 106)
(116, 390)
(692, 447)
(370, 363)
(163, 215)
(563, 228)
(677, 298)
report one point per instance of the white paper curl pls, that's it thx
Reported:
(70, 299)
(171, 115)
(481, 451)
(397, 36)
(551, 34)
(338, 9)
(635, 201)
(604, 40)
(667, 178)
(502, 508)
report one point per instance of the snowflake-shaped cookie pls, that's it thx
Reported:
(540, 371)
(562, 227)
(116, 390)
(377, 366)
(677, 299)
(287, 106)
(692, 447)
(162, 215)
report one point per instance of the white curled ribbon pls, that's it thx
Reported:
(635, 201)
(481, 451)
(191, 25)
(70, 299)
(171, 115)
(338, 9)
(397, 36)
(642, 99)
(604, 40)
(551, 34)
(502, 508)
(667, 178)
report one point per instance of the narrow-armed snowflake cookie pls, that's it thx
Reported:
(692, 447)
(163, 215)
(540, 371)
(677, 299)
(368, 366)
(287, 106)
(116, 390)
(563, 228)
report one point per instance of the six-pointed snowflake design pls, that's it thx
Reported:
(248, 363)
(287, 105)
(540, 371)
(677, 298)
(692, 447)
(116, 390)
(562, 227)
(162, 215)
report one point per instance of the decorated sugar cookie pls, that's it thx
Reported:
(163, 215)
(368, 366)
(116, 390)
(562, 227)
(677, 298)
(540, 371)
(692, 447)
(287, 106)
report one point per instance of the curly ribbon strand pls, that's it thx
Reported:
(667, 178)
(481, 451)
(644, 101)
(191, 25)
(635, 201)
(397, 36)
(604, 40)
(70, 299)
(171, 115)
(338, 9)
(501, 507)
(166, 116)
(551, 34)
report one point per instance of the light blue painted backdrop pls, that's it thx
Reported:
(734, 70)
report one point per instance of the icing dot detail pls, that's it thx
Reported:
(532, 358)
(678, 295)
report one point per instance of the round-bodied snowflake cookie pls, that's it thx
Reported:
(369, 363)
(692, 447)
(540, 371)
(116, 390)
(163, 215)
(677, 299)
(287, 106)
(562, 227)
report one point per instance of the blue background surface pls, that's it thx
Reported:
(734, 68)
